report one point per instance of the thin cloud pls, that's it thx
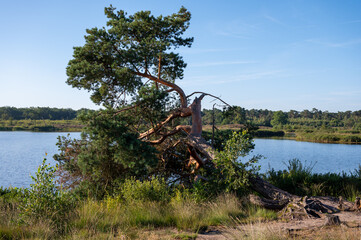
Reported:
(353, 21)
(214, 80)
(236, 29)
(207, 50)
(346, 93)
(252, 76)
(274, 20)
(210, 64)
(336, 45)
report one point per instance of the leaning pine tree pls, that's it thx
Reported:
(130, 68)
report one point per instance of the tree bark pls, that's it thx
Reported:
(296, 207)
(269, 191)
(196, 117)
(268, 203)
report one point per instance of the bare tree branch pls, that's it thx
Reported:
(168, 84)
(174, 131)
(183, 112)
(126, 109)
(207, 94)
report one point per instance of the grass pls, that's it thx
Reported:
(181, 216)
(113, 218)
(299, 179)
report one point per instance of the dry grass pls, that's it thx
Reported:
(181, 218)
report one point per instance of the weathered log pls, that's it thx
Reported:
(202, 146)
(269, 191)
(295, 207)
(317, 205)
(357, 205)
(332, 220)
(267, 203)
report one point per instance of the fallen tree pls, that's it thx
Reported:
(130, 68)
(300, 207)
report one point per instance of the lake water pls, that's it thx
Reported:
(22, 152)
(324, 156)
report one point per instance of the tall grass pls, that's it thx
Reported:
(254, 231)
(299, 179)
(114, 216)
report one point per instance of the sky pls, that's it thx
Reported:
(276, 55)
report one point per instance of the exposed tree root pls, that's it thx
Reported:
(296, 207)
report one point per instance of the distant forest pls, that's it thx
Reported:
(268, 118)
(39, 113)
(232, 115)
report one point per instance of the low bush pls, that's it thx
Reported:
(269, 133)
(149, 190)
(299, 179)
(45, 202)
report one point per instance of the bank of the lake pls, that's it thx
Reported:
(312, 135)
(41, 125)
(309, 134)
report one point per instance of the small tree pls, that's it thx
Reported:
(232, 170)
(279, 118)
(45, 201)
(107, 154)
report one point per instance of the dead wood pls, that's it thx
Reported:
(267, 203)
(332, 220)
(296, 207)
(269, 191)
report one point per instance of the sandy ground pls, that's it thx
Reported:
(294, 229)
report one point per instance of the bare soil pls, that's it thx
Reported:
(310, 228)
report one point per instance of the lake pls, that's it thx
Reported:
(325, 157)
(22, 152)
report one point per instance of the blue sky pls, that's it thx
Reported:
(276, 55)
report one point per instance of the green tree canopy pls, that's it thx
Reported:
(131, 68)
(116, 59)
(279, 118)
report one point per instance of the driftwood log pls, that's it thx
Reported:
(297, 207)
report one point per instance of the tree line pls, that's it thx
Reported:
(260, 117)
(39, 113)
(230, 115)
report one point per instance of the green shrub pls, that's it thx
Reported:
(9, 199)
(231, 173)
(299, 179)
(352, 139)
(44, 201)
(294, 178)
(148, 190)
(269, 133)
